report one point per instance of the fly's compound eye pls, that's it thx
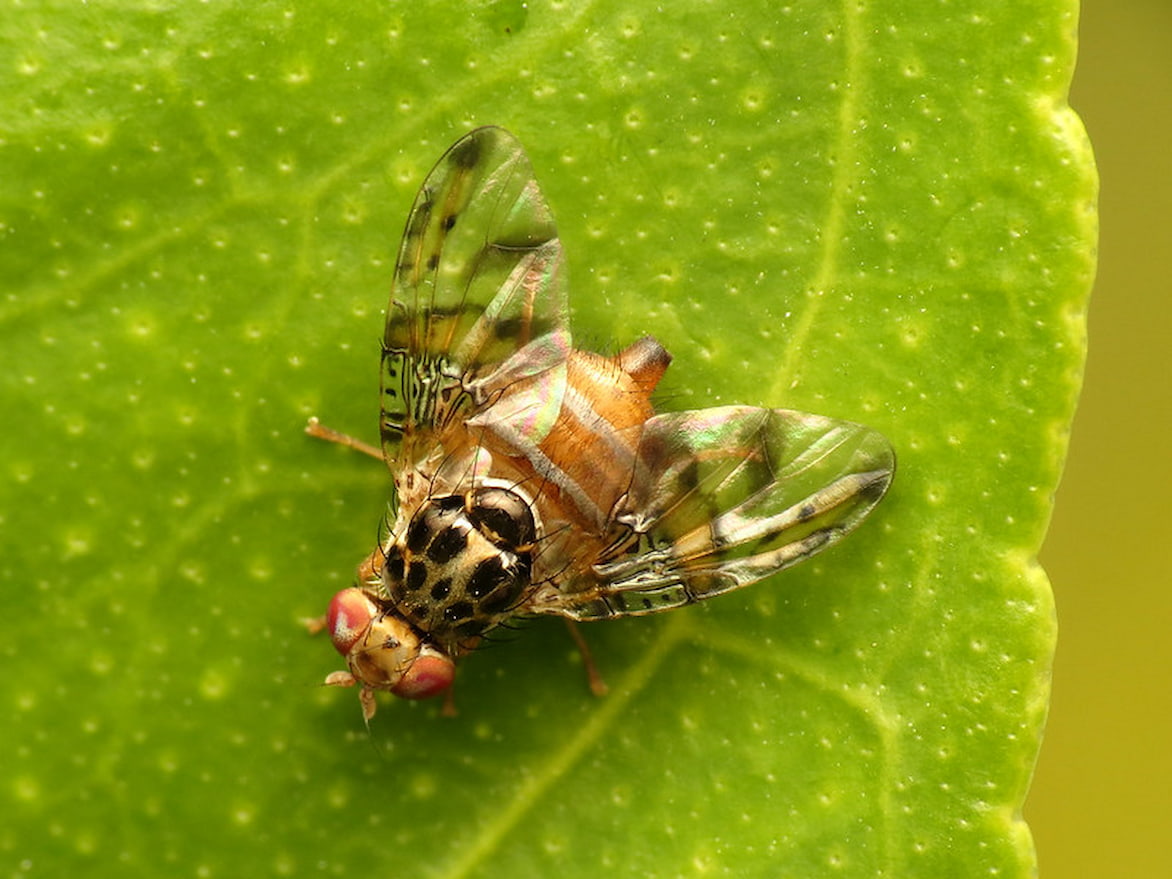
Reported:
(503, 516)
(348, 619)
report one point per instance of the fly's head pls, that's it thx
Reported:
(463, 563)
(383, 651)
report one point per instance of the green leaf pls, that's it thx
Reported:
(876, 212)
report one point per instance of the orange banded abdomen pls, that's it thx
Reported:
(592, 447)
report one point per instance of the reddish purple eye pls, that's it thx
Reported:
(429, 675)
(348, 618)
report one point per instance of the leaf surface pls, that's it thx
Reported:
(884, 214)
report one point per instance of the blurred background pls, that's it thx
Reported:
(1101, 802)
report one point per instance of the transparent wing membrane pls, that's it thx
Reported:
(479, 275)
(724, 497)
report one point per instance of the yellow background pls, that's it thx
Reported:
(1101, 803)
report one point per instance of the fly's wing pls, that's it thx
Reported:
(724, 497)
(479, 277)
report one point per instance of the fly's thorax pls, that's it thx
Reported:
(463, 563)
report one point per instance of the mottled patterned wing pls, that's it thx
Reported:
(479, 277)
(724, 497)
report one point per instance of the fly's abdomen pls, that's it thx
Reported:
(592, 447)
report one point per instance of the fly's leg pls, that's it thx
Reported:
(315, 428)
(597, 685)
(314, 625)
